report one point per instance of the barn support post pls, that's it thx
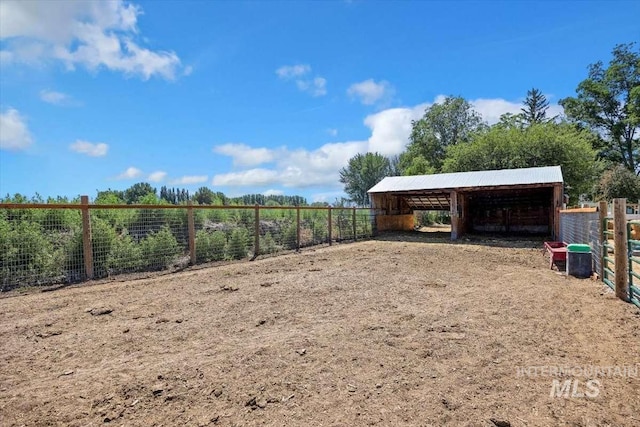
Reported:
(603, 207)
(192, 233)
(87, 249)
(620, 250)
(557, 205)
(453, 211)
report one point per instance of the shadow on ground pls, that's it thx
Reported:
(496, 240)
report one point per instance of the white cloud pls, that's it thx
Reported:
(297, 168)
(130, 173)
(391, 128)
(328, 197)
(243, 155)
(53, 97)
(92, 33)
(14, 134)
(316, 86)
(291, 71)
(492, 108)
(369, 92)
(91, 149)
(301, 168)
(190, 180)
(272, 192)
(157, 176)
(332, 132)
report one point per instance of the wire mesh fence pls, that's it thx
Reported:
(47, 244)
(582, 227)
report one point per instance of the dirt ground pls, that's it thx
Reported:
(404, 330)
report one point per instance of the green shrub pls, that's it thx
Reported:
(209, 246)
(237, 245)
(290, 236)
(103, 237)
(27, 256)
(160, 249)
(126, 255)
(267, 244)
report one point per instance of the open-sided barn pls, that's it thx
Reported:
(509, 201)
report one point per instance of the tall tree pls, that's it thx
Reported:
(608, 101)
(546, 144)
(444, 124)
(137, 191)
(363, 172)
(535, 108)
(620, 182)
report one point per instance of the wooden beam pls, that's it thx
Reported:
(620, 243)
(557, 205)
(87, 247)
(256, 232)
(192, 233)
(453, 203)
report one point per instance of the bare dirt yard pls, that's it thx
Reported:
(404, 330)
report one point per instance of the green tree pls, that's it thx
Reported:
(363, 172)
(237, 245)
(443, 125)
(204, 196)
(138, 191)
(535, 108)
(210, 246)
(546, 144)
(412, 163)
(160, 249)
(620, 182)
(608, 101)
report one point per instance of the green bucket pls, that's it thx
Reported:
(578, 248)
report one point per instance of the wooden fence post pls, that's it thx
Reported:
(354, 225)
(620, 251)
(297, 228)
(256, 237)
(603, 207)
(191, 225)
(86, 238)
(330, 227)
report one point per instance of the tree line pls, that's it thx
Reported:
(145, 193)
(596, 141)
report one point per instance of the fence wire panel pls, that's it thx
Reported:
(314, 227)
(38, 246)
(364, 224)
(278, 231)
(582, 227)
(342, 224)
(42, 246)
(136, 240)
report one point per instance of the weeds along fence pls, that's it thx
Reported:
(44, 244)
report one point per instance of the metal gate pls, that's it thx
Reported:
(634, 261)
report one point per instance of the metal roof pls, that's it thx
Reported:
(492, 178)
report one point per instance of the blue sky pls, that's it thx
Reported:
(265, 97)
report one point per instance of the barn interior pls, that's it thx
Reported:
(512, 210)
